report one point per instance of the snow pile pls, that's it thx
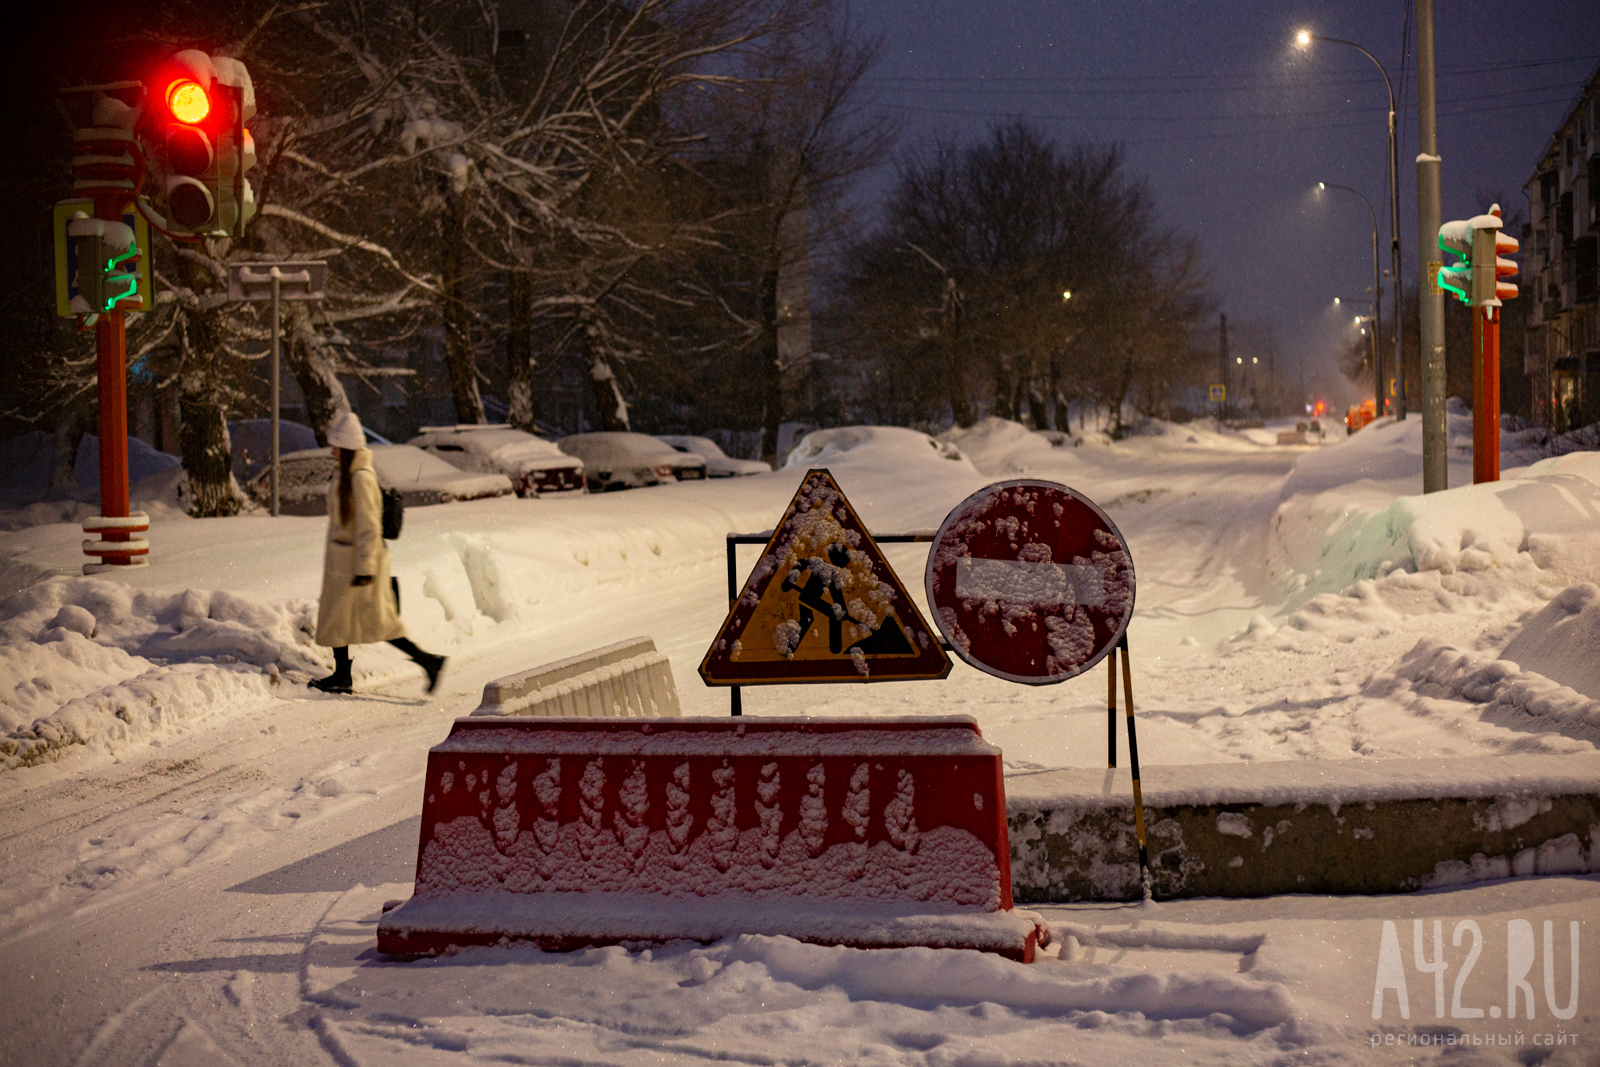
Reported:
(995, 444)
(1549, 672)
(880, 447)
(682, 1003)
(1543, 517)
(92, 662)
(1562, 642)
(1384, 451)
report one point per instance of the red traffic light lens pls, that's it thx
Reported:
(188, 101)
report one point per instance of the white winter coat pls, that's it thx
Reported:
(357, 615)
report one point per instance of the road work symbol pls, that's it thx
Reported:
(822, 605)
(1030, 581)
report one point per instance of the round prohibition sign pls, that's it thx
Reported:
(1030, 581)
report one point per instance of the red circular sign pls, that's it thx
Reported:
(1030, 581)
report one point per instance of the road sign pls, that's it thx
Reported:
(822, 605)
(297, 280)
(1219, 394)
(67, 256)
(1030, 581)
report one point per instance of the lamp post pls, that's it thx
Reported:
(1304, 39)
(1377, 296)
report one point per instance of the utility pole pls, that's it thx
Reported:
(1224, 366)
(1430, 298)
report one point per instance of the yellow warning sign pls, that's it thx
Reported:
(822, 605)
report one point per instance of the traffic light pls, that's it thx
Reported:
(198, 145)
(108, 264)
(1455, 238)
(1478, 242)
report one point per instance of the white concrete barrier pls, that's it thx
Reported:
(629, 679)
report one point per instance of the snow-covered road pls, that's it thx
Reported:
(198, 884)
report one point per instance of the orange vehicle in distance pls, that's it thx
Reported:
(1358, 416)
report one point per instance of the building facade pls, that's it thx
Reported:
(1562, 343)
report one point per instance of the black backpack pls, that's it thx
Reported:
(394, 512)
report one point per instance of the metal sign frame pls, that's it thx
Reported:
(278, 281)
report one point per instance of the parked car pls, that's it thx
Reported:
(615, 460)
(422, 479)
(718, 463)
(534, 465)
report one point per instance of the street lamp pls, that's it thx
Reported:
(1377, 296)
(1304, 39)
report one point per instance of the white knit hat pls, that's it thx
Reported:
(346, 432)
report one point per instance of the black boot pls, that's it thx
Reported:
(433, 665)
(339, 680)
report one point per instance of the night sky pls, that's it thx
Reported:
(1233, 126)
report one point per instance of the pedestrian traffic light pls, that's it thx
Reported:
(1481, 244)
(1455, 239)
(198, 146)
(108, 264)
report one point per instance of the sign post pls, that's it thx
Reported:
(290, 280)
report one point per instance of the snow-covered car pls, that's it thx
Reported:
(618, 460)
(718, 463)
(534, 465)
(422, 479)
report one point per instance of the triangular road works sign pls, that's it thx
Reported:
(822, 605)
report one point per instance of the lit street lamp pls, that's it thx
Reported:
(1377, 298)
(1304, 39)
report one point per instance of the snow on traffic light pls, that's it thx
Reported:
(197, 143)
(1481, 245)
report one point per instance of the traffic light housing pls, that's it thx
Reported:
(1481, 245)
(197, 144)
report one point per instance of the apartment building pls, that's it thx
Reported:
(1562, 342)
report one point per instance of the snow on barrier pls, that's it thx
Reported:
(1306, 826)
(573, 832)
(625, 680)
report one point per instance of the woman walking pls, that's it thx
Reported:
(357, 605)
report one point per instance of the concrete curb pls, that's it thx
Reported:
(1327, 827)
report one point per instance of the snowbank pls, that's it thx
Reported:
(1549, 672)
(995, 444)
(890, 448)
(1562, 642)
(92, 662)
(1546, 516)
(1386, 452)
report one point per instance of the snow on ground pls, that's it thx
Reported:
(196, 848)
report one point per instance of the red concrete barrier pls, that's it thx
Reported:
(570, 832)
